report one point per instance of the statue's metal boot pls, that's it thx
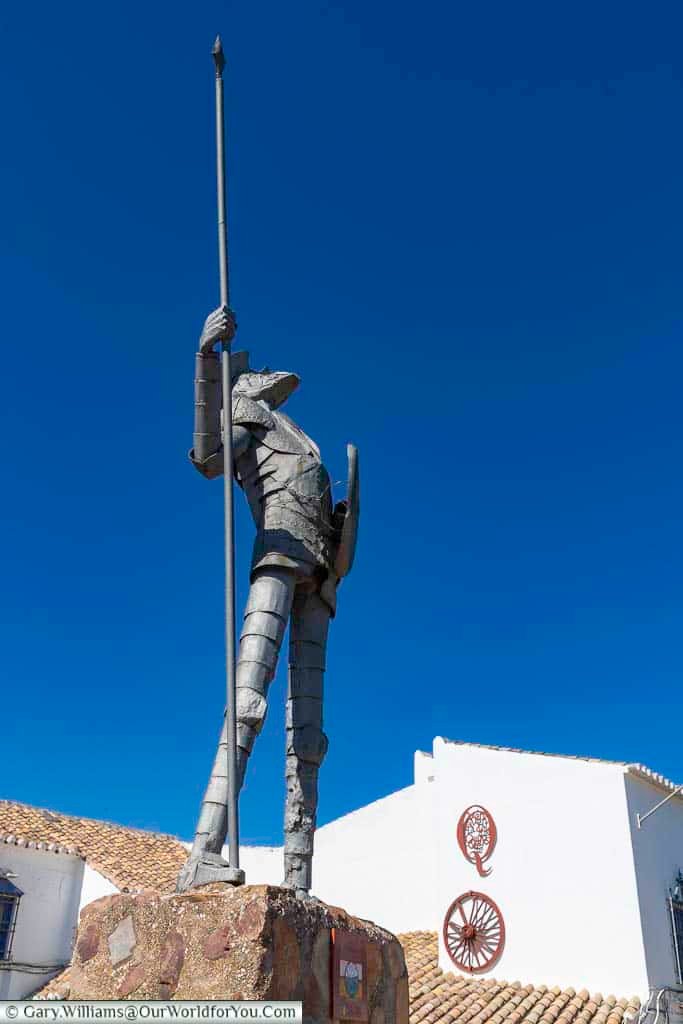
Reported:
(207, 868)
(205, 863)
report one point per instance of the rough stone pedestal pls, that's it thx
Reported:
(254, 942)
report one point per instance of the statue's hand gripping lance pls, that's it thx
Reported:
(220, 325)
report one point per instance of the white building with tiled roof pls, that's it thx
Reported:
(52, 865)
(510, 864)
(583, 892)
(40, 893)
(571, 891)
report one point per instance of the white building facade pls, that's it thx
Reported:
(41, 896)
(582, 892)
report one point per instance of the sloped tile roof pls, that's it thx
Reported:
(7, 839)
(130, 858)
(643, 772)
(438, 998)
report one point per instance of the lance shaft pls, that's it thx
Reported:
(231, 723)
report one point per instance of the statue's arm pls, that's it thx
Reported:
(207, 406)
(207, 450)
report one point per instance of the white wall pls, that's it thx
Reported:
(262, 865)
(658, 852)
(47, 917)
(379, 863)
(563, 873)
(94, 886)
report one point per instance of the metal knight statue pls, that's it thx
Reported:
(304, 545)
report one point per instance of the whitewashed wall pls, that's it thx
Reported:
(563, 872)
(378, 863)
(262, 865)
(47, 918)
(94, 887)
(658, 853)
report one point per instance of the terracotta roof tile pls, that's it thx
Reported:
(128, 857)
(438, 998)
(8, 839)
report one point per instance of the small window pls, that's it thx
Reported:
(9, 904)
(676, 909)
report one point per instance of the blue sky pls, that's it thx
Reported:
(461, 225)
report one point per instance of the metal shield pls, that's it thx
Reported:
(349, 531)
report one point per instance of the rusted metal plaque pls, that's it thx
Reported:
(349, 976)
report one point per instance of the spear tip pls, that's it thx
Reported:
(218, 56)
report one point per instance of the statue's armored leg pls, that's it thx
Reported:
(306, 741)
(265, 619)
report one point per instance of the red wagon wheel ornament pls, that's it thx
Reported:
(477, 836)
(474, 932)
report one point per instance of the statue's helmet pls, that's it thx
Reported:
(271, 386)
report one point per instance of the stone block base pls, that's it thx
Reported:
(219, 942)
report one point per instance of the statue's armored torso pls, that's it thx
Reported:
(287, 487)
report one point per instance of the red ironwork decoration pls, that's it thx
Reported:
(477, 836)
(474, 932)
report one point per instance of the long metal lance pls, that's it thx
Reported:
(230, 721)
